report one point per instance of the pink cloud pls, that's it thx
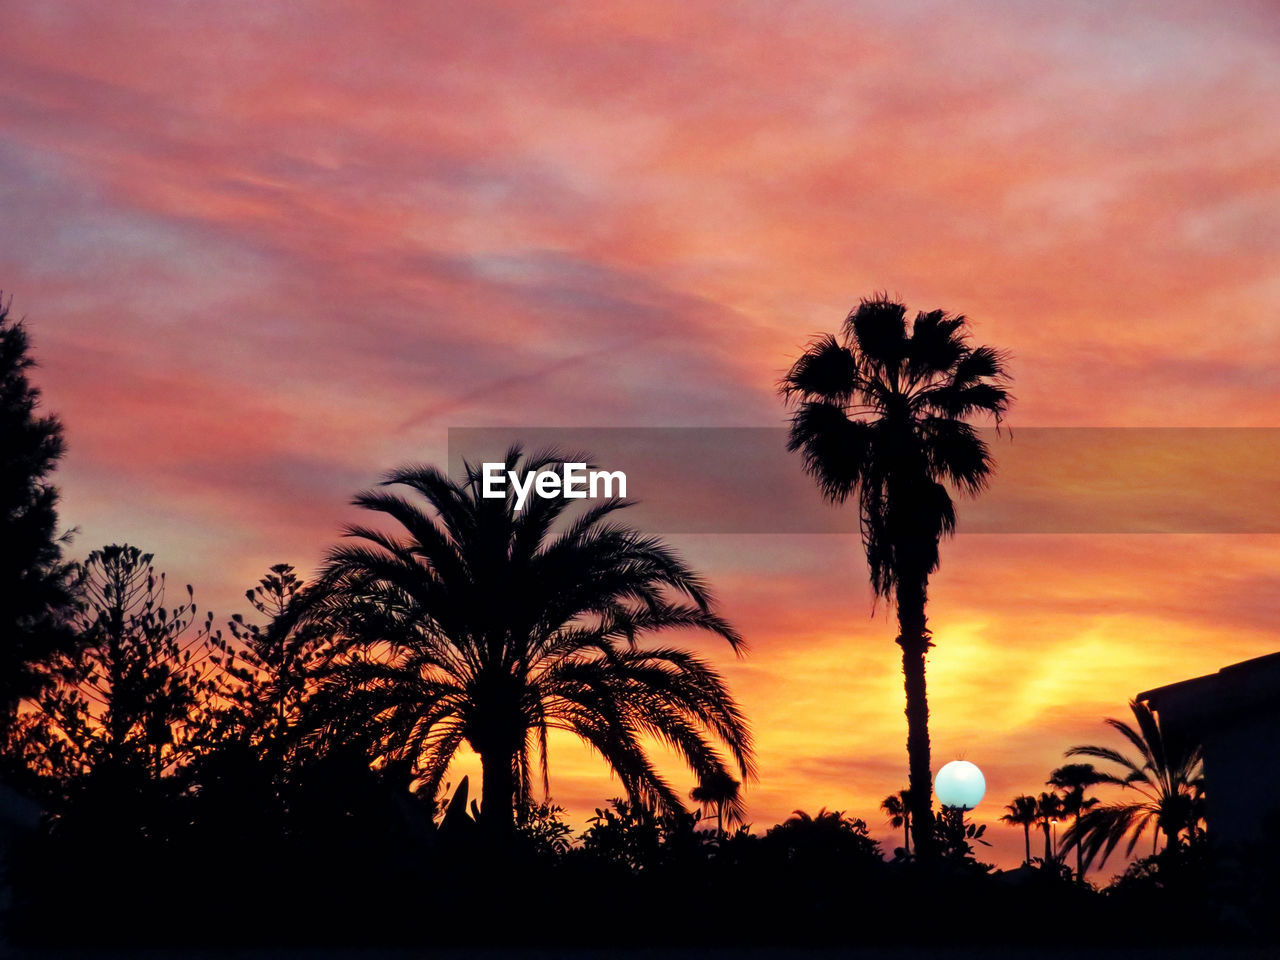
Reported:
(269, 253)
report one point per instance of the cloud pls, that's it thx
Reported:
(268, 253)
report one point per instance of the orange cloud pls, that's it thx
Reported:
(269, 254)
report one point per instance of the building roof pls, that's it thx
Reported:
(1240, 690)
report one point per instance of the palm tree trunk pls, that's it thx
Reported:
(1048, 851)
(1079, 851)
(906, 833)
(497, 791)
(1026, 835)
(913, 637)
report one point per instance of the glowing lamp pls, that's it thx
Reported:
(960, 784)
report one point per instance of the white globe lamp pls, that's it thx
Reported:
(960, 784)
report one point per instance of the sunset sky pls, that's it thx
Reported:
(269, 251)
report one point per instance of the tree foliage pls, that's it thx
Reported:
(882, 414)
(129, 697)
(1163, 787)
(36, 583)
(485, 625)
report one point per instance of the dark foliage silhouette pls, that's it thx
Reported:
(881, 414)
(266, 671)
(626, 835)
(542, 827)
(1166, 779)
(280, 785)
(1048, 812)
(1023, 812)
(827, 838)
(898, 808)
(491, 626)
(720, 794)
(954, 839)
(1073, 779)
(36, 583)
(126, 698)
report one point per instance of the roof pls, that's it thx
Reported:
(1234, 692)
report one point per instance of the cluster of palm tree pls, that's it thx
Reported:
(455, 618)
(1161, 790)
(460, 619)
(481, 625)
(1042, 813)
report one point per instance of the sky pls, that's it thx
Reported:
(269, 251)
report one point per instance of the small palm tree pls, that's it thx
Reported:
(1048, 812)
(489, 625)
(1168, 778)
(1073, 779)
(723, 794)
(898, 807)
(882, 415)
(1022, 812)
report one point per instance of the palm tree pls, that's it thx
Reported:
(1048, 812)
(1022, 812)
(1168, 778)
(723, 794)
(491, 626)
(881, 414)
(898, 807)
(1073, 779)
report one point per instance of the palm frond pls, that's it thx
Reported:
(486, 625)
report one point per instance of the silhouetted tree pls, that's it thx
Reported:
(1168, 778)
(268, 668)
(484, 626)
(1048, 812)
(898, 807)
(882, 416)
(822, 841)
(542, 825)
(123, 699)
(252, 743)
(627, 836)
(954, 838)
(1073, 779)
(723, 794)
(36, 584)
(1022, 812)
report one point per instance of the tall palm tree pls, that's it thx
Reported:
(1073, 779)
(898, 807)
(1022, 812)
(723, 794)
(881, 414)
(1048, 812)
(488, 625)
(1167, 777)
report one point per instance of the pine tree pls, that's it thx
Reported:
(124, 699)
(36, 583)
